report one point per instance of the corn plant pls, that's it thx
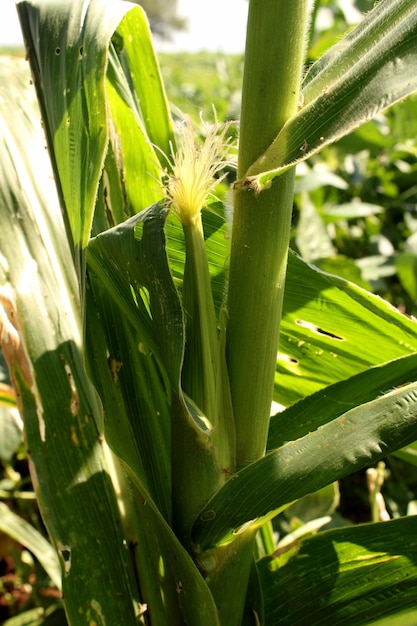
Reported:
(141, 318)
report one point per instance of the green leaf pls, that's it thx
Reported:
(134, 393)
(68, 43)
(144, 291)
(354, 440)
(369, 70)
(139, 119)
(127, 263)
(312, 239)
(408, 453)
(25, 534)
(325, 405)
(344, 267)
(132, 44)
(40, 305)
(361, 575)
(332, 329)
(353, 210)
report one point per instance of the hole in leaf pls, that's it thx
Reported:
(318, 330)
(287, 358)
(66, 556)
(57, 50)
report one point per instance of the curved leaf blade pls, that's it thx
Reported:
(354, 440)
(369, 70)
(67, 45)
(134, 393)
(144, 291)
(39, 303)
(361, 575)
(140, 126)
(147, 97)
(25, 534)
(332, 329)
(325, 405)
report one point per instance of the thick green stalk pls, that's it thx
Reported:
(261, 222)
(273, 61)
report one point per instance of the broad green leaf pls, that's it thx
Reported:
(370, 69)
(134, 393)
(134, 50)
(326, 404)
(312, 238)
(129, 262)
(25, 534)
(332, 329)
(138, 322)
(353, 210)
(317, 177)
(312, 512)
(344, 267)
(67, 45)
(40, 306)
(140, 128)
(144, 291)
(354, 440)
(136, 161)
(408, 453)
(73, 47)
(358, 575)
(139, 118)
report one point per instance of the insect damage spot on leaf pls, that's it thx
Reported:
(115, 367)
(65, 552)
(75, 401)
(287, 358)
(318, 330)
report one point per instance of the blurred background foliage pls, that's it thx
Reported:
(355, 215)
(163, 16)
